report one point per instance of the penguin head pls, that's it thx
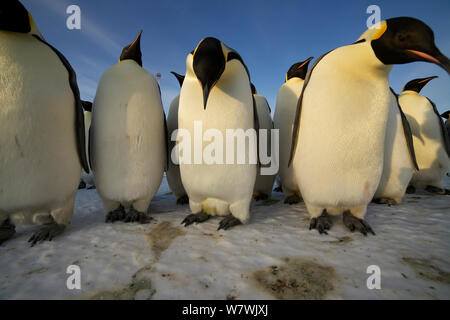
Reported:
(446, 114)
(417, 84)
(87, 105)
(403, 40)
(179, 77)
(298, 70)
(252, 86)
(15, 18)
(208, 64)
(133, 51)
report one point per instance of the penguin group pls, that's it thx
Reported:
(346, 138)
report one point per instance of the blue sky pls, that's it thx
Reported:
(269, 35)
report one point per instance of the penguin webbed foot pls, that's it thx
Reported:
(410, 190)
(47, 232)
(260, 196)
(278, 189)
(92, 187)
(82, 185)
(7, 231)
(116, 215)
(229, 222)
(183, 200)
(436, 190)
(292, 199)
(136, 216)
(321, 223)
(387, 201)
(354, 223)
(195, 217)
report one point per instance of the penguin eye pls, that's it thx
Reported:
(401, 38)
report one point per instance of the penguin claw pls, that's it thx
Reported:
(321, 223)
(7, 230)
(228, 222)
(353, 223)
(260, 196)
(437, 190)
(292, 199)
(196, 217)
(116, 215)
(387, 201)
(183, 200)
(135, 216)
(47, 232)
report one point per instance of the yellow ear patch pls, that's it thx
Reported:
(381, 29)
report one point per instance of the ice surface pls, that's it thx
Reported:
(274, 256)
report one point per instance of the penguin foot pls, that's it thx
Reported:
(7, 230)
(47, 232)
(135, 216)
(437, 190)
(116, 215)
(410, 190)
(82, 185)
(183, 200)
(321, 223)
(278, 189)
(228, 222)
(92, 187)
(292, 199)
(260, 196)
(353, 223)
(197, 218)
(387, 201)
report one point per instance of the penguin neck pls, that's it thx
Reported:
(411, 92)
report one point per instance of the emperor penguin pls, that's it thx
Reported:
(340, 124)
(128, 137)
(283, 119)
(41, 129)
(87, 178)
(264, 182)
(446, 116)
(173, 172)
(430, 138)
(216, 95)
(399, 156)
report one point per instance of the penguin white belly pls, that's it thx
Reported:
(218, 188)
(339, 155)
(283, 119)
(431, 156)
(87, 178)
(398, 167)
(40, 167)
(264, 183)
(128, 139)
(173, 173)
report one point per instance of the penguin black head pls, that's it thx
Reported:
(403, 40)
(446, 114)
(417, 84)
(298, 70)
(14, 17)
(252, 86)
(209, 64)
(179, 77)
(133, 51)
(87, 105)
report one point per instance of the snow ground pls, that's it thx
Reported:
(275, 256)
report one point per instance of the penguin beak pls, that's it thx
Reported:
(426, 80)
(437, 58)
(133, 51)
(206, 90)
(305, 63)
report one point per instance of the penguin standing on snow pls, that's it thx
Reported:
(340, 124)
(87, 178)
(216, 94)
(430, 137)
(41, 129)
(263, 183)
(283, 119)
(173, 171)
(128, 142)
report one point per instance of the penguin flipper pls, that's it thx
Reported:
(407, 132)
(256, 126)
(166, 135)
(444, 132)
(79, 116)
(91, 132)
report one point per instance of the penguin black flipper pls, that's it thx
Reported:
(298, 112)
(408, 133)
(79, 117)
(443, 129)
(256, 125)
(91, 131)
(166, 135)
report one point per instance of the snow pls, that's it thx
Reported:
(274, 256)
